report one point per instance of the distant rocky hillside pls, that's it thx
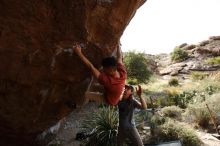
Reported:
(197, 60)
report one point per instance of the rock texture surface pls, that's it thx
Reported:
(39, 83)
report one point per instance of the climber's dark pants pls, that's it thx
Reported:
(131, 134)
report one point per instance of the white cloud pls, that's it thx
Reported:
(160, 25)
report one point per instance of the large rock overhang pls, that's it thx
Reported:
(40, 84)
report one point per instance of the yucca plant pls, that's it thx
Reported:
(104, 124)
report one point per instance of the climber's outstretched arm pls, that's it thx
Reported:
(119, 54)
(77, 49)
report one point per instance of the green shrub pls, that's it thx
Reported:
(202, 117)
(155, 121)
(132, 81)
(181, 99)
(184, 98)
(173, 82)
(213, 61)
(198, 76)
(137, 66)
(141, 117)
(104, 123)
(200, 114)
(197, 111)
(170, 101)
(204, 92)
(172, 111)
(172, 91)
(172, 130)
(161, 101)
(213, 103)
(211, 89)
(179, 55)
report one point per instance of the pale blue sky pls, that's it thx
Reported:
(160, 25)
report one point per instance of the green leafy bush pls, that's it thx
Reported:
(178, 98)
(172, 111)
(170, 101)
(204, 92)
(136, 65)
(171, 93)
(213, 103)
(157, 120)
(211, 89)
(173, 82)
(198, 76)
(184, 98)
(104, 124)
(179, 55)
(162, 102)
(132, 81)
(172, 130)
(213, 61)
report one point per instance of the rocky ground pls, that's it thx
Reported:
(65, 134)
(208, 139)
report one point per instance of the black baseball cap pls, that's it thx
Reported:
(130, 87)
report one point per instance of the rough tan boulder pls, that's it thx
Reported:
(209, 51)
(189, 47)
(214, 38)
(39, 83)
(172, 69)
(192, 64)
(182, 45)
(203, 43)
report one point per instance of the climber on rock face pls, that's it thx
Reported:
(112, 78)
